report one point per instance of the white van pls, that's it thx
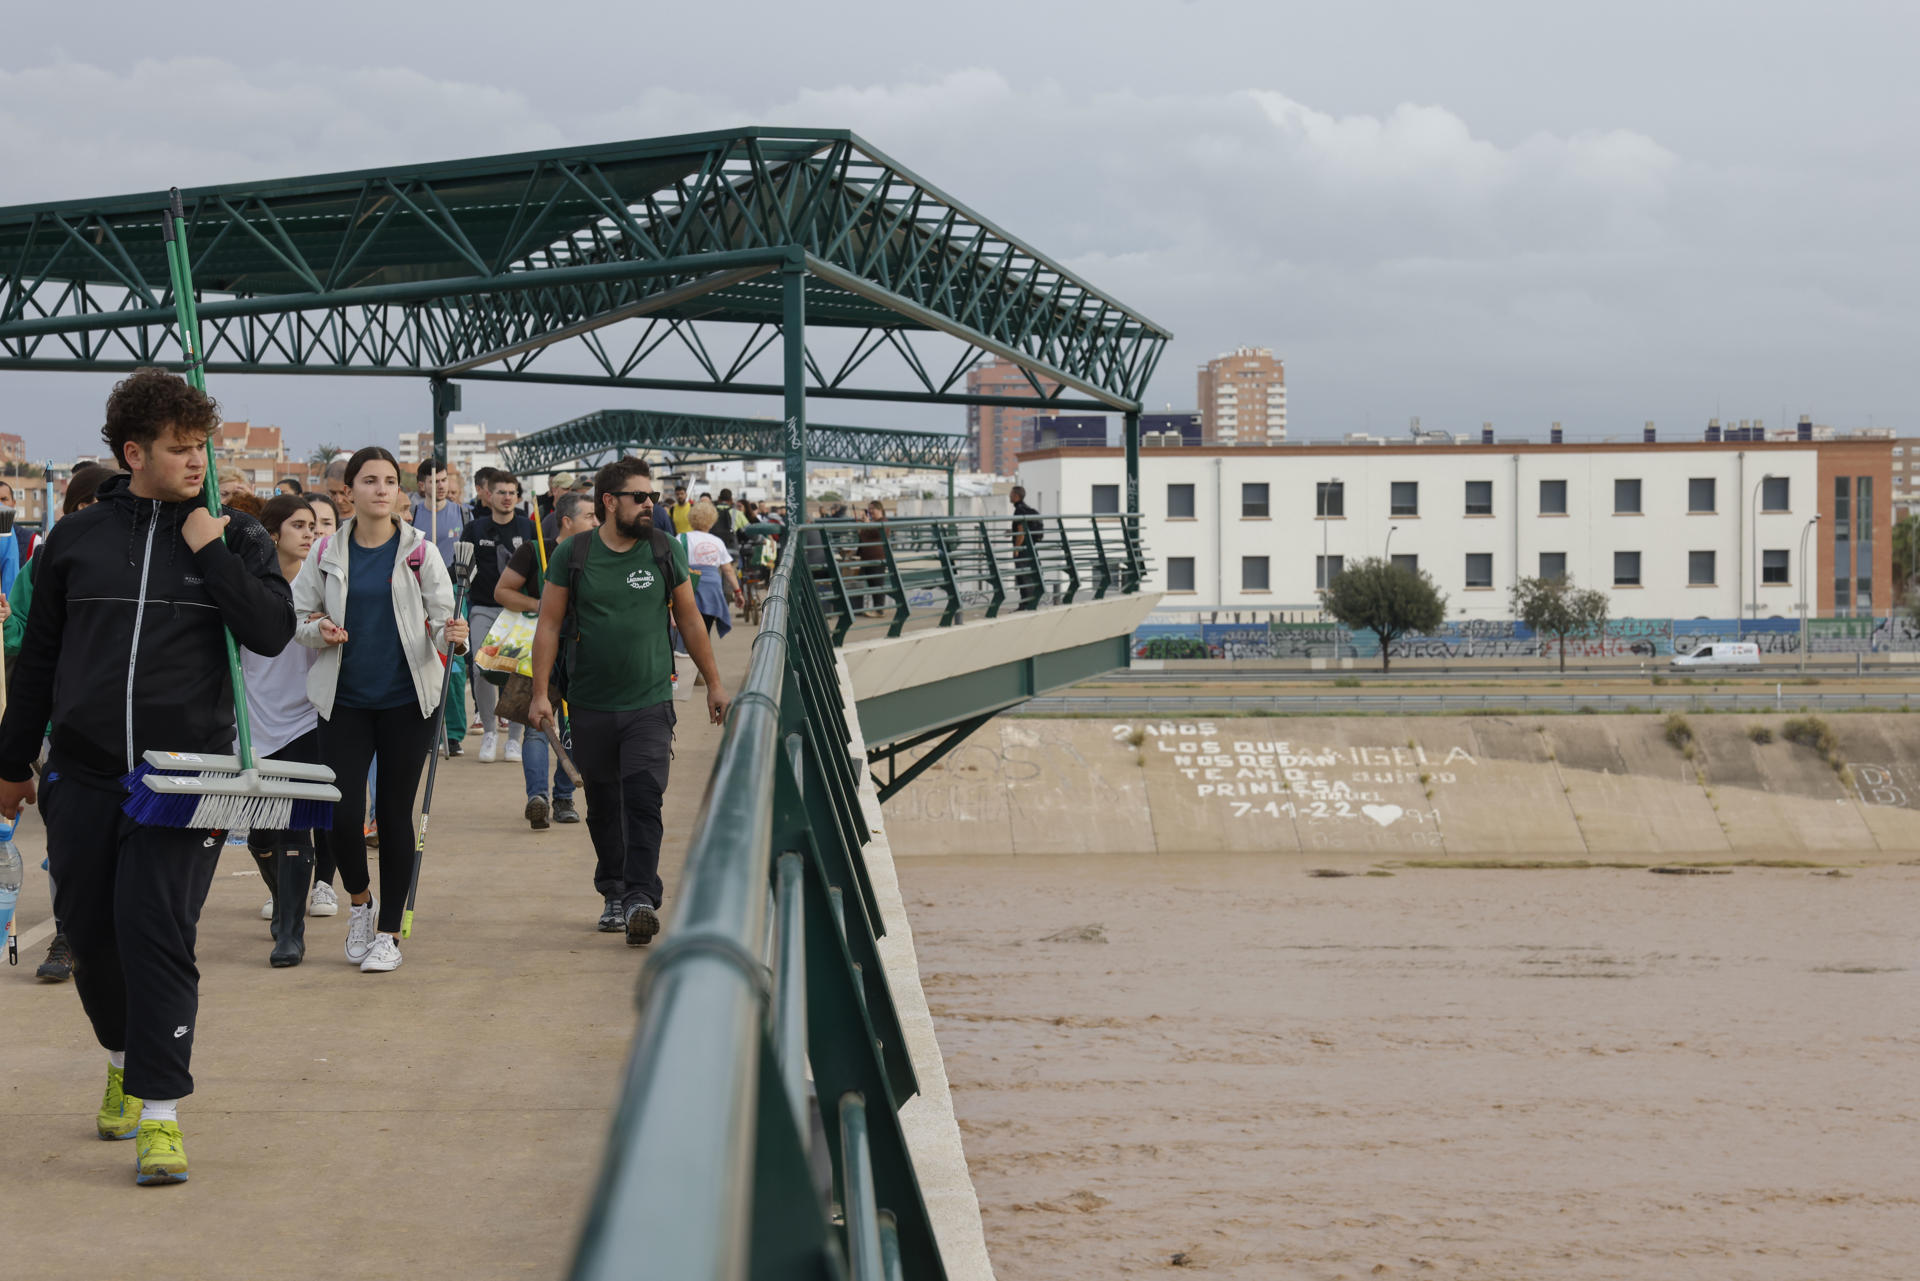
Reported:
(1721, 654)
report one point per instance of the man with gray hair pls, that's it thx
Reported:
(338, 490)
(519, 588)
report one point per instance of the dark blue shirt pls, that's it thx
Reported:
(373, 670)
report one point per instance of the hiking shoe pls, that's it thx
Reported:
(266, 913)
(513, 750)
(58, 967)
(489, 747)
(161, 1155)
(360, 930)
(613, 918)
(564, 811)
(119, 1114)
(454, 748)
(642, 925)
(383, 956)
(537, 811)
(323, 901)
(371, 833)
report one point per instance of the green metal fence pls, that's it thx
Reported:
(879, 576)
(768, 995)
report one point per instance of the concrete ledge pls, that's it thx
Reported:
(933, 1135)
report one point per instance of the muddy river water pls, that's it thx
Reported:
(1227, 1065)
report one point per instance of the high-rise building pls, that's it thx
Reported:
(994, 431)
(1243, 398)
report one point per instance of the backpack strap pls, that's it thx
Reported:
(576, 565)
(662, 543)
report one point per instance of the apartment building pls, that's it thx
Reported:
(1243, 398)
(1696, 529)
(994, 431)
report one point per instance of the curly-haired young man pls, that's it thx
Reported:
(142, 583)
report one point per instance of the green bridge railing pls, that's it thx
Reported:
(770, 969)
(877, 576)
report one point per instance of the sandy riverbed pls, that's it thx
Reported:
(1225, 1065)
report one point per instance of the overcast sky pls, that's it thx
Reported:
(1500, 211)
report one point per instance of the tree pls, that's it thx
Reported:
(1388, 600)
(1906, 546)
(1555, 607)
(323, 455)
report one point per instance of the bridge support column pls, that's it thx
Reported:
(1130, 424)
(446, 399)
(793, 334)
(949, 491)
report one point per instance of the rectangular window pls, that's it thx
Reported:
(1700, 569)
(1253, 501)
(1106, 500)
(1479, 569)
(1409, 563)
(1626, 498)
(1626, 568)
(1863, 545)
(1773, 566)
(1773, 494)
(1405, 498)
(1553, 498)
(1553, 564)
(1479, 498)
(1179, 573)
(1253, 573)
(1179, 502)
(1326, 569)
(1700, 494)
(1330, 498)
(1843, 546)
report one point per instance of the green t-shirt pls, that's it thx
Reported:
(622, 660)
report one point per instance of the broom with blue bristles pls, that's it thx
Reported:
(195, 789)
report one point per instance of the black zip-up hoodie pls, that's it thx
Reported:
(123, 649)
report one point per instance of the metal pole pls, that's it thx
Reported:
(1805, 576)
(793, 331)
(949, 491)
(446, 400)
(1131, 423)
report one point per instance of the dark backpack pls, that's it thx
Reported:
(662, 544)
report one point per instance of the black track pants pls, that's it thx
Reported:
(129, 899)
(624, 758)
(348, 742)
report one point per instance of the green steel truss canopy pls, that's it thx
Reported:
(609, 266)
(612, 432)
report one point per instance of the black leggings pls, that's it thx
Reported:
(267, 840)
(349, 740)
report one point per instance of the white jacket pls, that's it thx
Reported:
(420, 612)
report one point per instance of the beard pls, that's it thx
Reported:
(636, 528)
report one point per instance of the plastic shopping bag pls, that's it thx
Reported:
(508, 647)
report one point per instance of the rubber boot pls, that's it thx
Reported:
(263, 859)
(295, 868)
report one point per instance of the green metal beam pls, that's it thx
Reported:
(619, 431)
(614, 259)
(958, 699)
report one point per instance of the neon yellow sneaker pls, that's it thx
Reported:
(119, 1111)
(162, 1154)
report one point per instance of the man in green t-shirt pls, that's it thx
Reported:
(620, 684)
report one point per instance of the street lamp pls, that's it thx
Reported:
(1806, 576)
(1756, 540)
(1326, 566)
(1390, 529)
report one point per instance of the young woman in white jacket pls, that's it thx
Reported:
(375, 599)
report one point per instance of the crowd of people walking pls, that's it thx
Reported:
(355, 656)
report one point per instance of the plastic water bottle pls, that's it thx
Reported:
(12, 874)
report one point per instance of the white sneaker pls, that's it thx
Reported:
(384, 956)
(513, 750)
(489, 747)
(360, 930)
(266, 913)
(322, 902)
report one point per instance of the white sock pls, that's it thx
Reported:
(160, 1110)
(118, 1058)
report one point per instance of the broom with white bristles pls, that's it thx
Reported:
(194, 789)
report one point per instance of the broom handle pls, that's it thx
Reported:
(187, 313)
(433, 769)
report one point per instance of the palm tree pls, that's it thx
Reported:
(323, 455)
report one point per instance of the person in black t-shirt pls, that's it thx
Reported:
(496, 535)
(1026, 548)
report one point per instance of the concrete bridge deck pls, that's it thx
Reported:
(445, 1120)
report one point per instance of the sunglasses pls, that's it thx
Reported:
(641, 496)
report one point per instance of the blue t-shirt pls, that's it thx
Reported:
(373, 670)
(444, 528)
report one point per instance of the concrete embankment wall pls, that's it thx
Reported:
(1556, 787)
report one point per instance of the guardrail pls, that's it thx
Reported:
(1788, 699)
(893, 570)
(758, 1132)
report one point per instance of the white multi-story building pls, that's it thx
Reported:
(1705, 529)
